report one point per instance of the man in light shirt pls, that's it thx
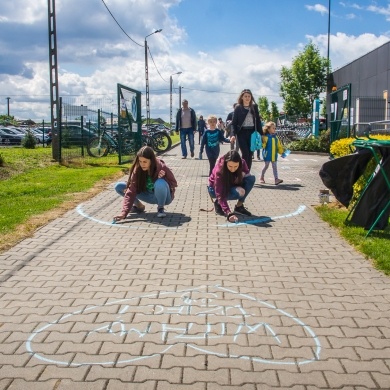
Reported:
(186, 123)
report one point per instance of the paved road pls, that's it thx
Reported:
(277, 301)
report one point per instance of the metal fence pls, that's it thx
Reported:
(91, 128)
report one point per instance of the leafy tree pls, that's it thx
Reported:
(304, 81)
(264, 111)
(274, 112)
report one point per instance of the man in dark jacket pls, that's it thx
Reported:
(186, 123)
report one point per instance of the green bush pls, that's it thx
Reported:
(29, 141)
(312, 144)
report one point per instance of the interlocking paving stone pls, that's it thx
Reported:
(192, 302)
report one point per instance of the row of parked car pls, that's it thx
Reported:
(11, 135)
(72, 133)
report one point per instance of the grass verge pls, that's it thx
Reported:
(376, 247)
(35, 190)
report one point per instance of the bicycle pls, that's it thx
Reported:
(158, 140)
(104, 144)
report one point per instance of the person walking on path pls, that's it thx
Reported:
(211, 140)
(229, 128)
(246, 120)
(201, 127)
(221, 126)
(150, 181)
(186, 123)
(271, 147)
(231, 180)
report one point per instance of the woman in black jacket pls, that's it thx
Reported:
(246, 120)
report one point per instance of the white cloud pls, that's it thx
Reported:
(346, 48)
(380, 11)
(350, 16)
(317, 8)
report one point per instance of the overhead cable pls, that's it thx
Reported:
(128, 36)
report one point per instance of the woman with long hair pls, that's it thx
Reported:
(150, 181)
(246, 120)
(230, 180)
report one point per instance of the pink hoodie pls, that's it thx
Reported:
(215, 181)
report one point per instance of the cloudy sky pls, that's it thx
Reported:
(220, 46)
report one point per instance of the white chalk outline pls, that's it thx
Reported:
(298, 211)
(296, 361)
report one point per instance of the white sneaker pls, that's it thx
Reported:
(161, 212)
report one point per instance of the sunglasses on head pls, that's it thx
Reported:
(246, 91)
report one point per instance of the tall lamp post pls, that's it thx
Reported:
(328, 34)
(328, 70)
(170, 105)
(8, 99)
(147, 77)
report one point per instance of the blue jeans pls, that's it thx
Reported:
(161, 195)
(183, 135)
(247, 184)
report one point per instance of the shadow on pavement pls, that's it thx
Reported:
(283, 187)
(171, 220)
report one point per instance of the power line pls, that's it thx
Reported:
(156, 65)
(121, 26)
(224, 92)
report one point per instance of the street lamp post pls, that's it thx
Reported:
(170, 105)
(8, 99)
(147, 77)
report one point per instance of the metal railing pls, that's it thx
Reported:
(360, 129)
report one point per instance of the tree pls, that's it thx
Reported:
(264, 111)
(274, 112)
(304, 81)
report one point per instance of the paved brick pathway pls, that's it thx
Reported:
(277, 301)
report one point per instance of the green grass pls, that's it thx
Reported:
(32, 184)
(375, 247)
(35, 189)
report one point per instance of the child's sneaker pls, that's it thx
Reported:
(161, 212)
(278, 181)
(138, 210)
(262, 181)
(242, 210)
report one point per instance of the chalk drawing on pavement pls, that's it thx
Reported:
(256, 221)
(80, 210)
(211, 320)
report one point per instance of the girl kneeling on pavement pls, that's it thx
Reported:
(150, 181)
(230, 180)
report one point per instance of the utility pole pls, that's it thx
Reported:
(170, 104)
(147, 77)
(54, 108)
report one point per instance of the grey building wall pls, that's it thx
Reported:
(368, 75)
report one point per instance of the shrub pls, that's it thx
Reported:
(312, 144)
(29, 141)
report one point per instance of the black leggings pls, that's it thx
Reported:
(212, 162)
(244, 142)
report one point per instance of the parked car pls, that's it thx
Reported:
(75, 135)
(9, 138)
